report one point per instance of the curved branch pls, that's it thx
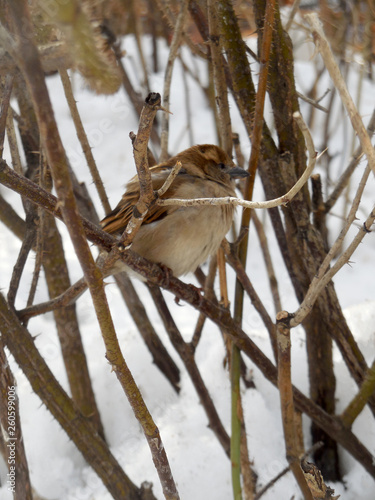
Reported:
(276, 202)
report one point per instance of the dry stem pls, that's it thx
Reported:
(176, 40)
(322, 278)
(282, 200)
(32, 69)
(81, 134)
(268, 261)
(334, 71)
(221, 94)
(222, 318)
(287, 406)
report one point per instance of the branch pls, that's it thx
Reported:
(286, 400)
(6, 85)
(243, 278)
(95, 451)
(12, 432)
(323, 277)
(147, 195)
(268, 261)
(176, 40)
(218, 72)
(43, 198)
(186, 353)
(282, 200)
(171, 177)
(81, 134)
(344, 179)
(32, 70)
(360, 400)
(334, 71)
(222, 318)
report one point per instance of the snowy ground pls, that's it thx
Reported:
(198, 463)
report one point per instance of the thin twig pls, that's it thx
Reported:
(176, 40)
(6, 85)
(13, 146)
(334, 71)
(171, 177)
(319, 283)
(344, 179)
(292, 14)
(160, 355)
(209, 294)
(27, 245)
(39, 237)
(165, 7)
(322, 278)
(313, 102)
(82, 137)
(268, 261)
(63, 300)
(282, 200)
(137, 28)
(146, 196)
(186, 353)
(243, 278)
(188, 107)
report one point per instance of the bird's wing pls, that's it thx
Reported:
(117, 220)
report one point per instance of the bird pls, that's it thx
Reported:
(181, 238)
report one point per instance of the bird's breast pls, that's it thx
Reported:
(185, 238)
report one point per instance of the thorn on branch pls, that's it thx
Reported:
(366, 229)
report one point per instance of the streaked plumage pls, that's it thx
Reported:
(182, 238)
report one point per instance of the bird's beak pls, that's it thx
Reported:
(237, 172)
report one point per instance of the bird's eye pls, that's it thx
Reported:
(222, 166)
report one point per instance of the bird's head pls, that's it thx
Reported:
(210, 162)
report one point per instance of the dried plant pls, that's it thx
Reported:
(81, 36)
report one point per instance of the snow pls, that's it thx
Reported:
(199, 465)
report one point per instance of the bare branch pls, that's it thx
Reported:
(12, 141)
(22, 347)
(334, 71)
(282, 200)
(32, 69)
(147, 196)
(322, 278)
(268, 261)
(171, 177)
(6, 85)
(219, 316)
(344, 179)
(218, 71)
(12, 432)
(286, 400)
(176, 40)
(81, 134)
(292, 14)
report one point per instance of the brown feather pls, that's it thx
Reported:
(193, 233)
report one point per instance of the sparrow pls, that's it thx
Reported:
(182, 238)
